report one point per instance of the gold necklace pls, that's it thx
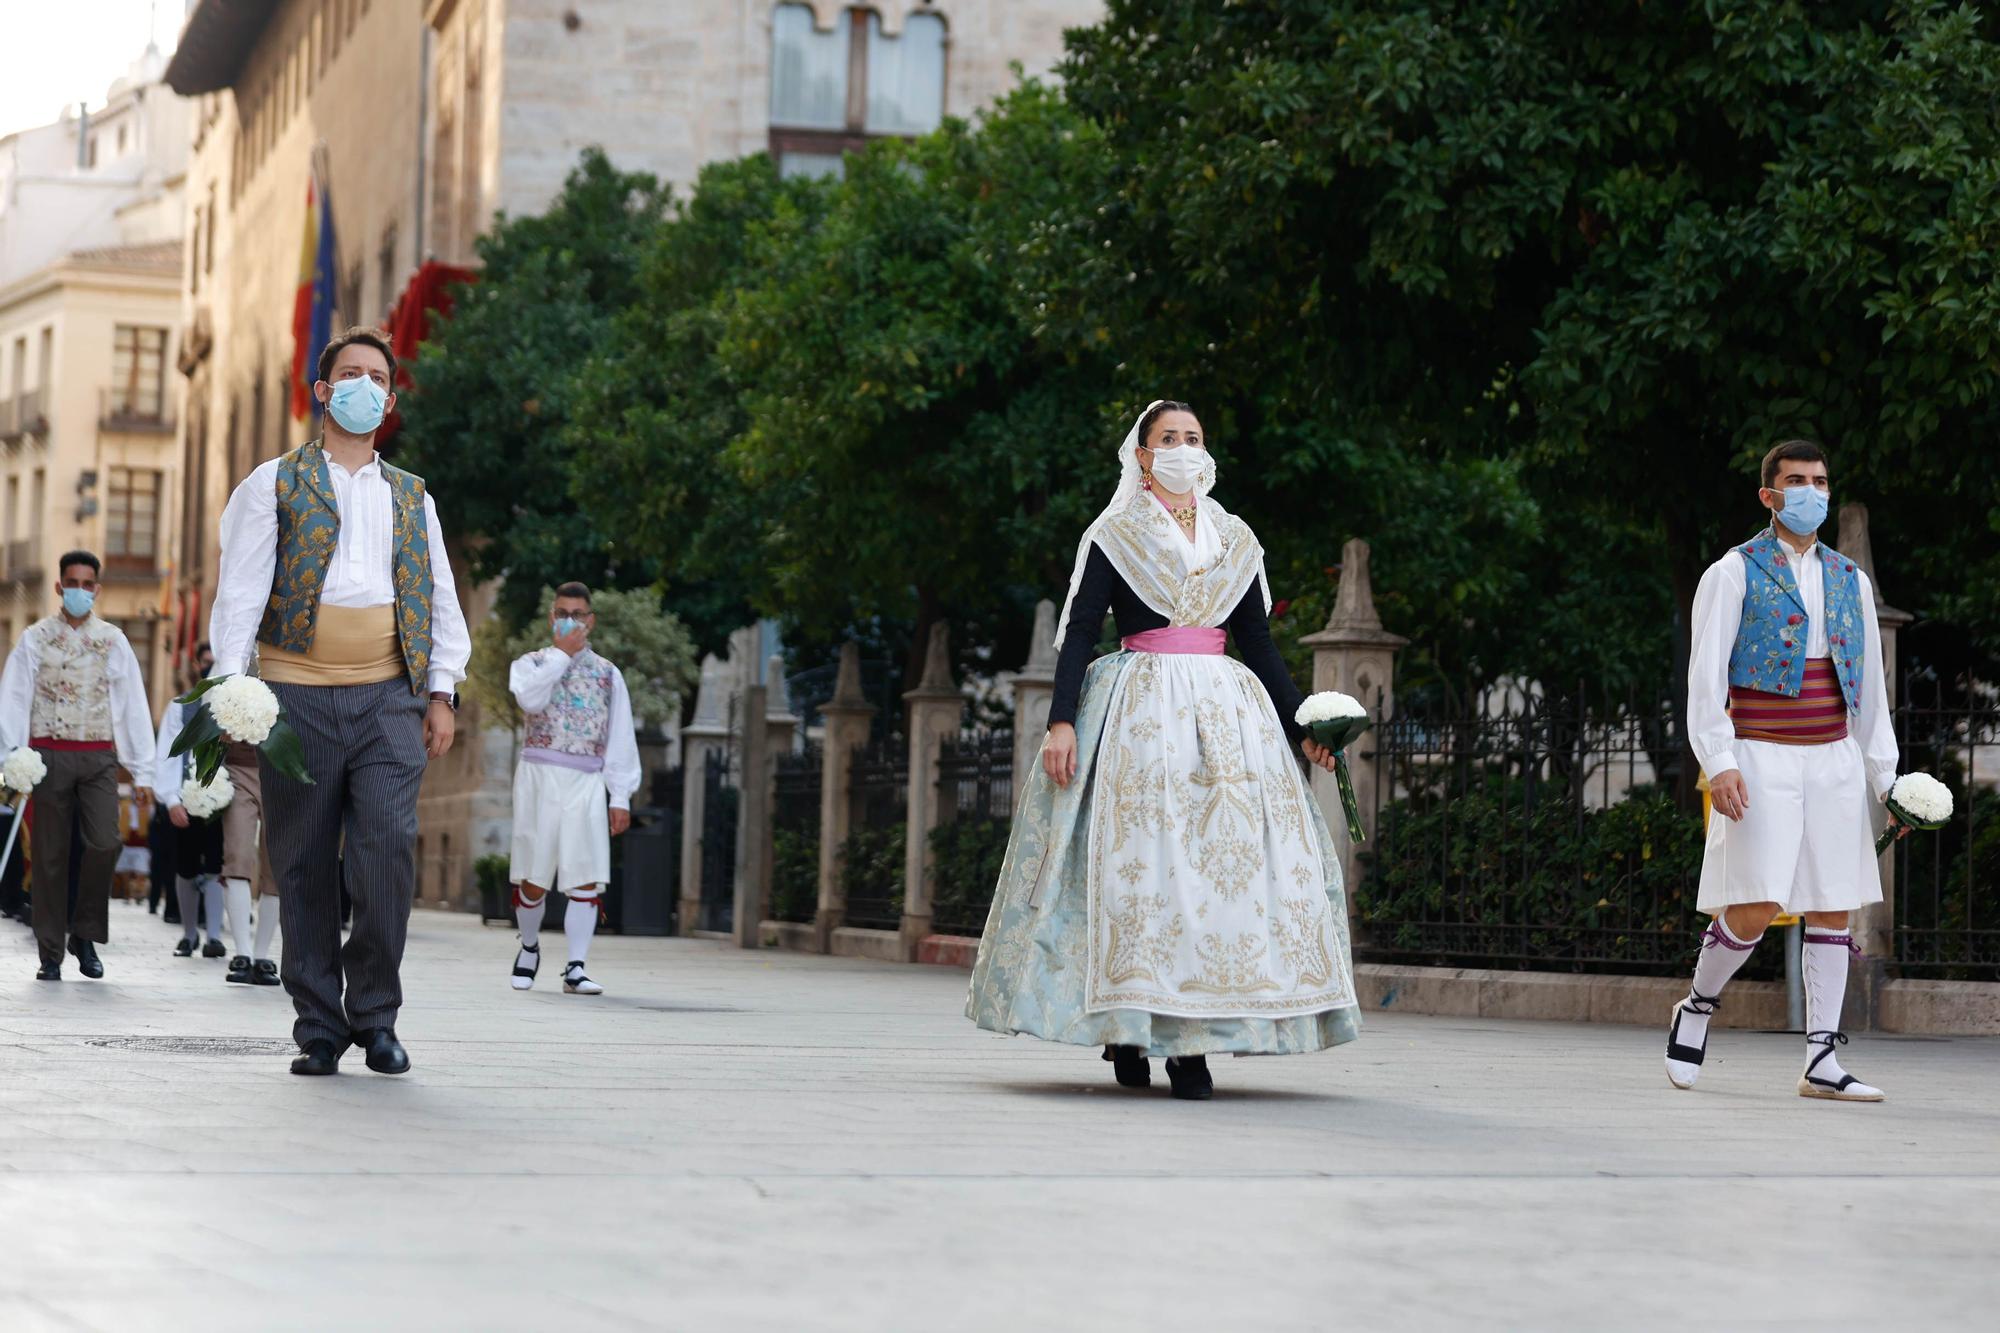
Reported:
(1183, 515)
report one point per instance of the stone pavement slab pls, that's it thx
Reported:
(764, 1140)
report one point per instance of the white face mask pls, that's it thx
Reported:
(1179, 470)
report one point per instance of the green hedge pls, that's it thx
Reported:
(795, 873)
(966, 856)
(871, 870)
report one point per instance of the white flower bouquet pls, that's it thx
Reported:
(203, 799)
(240, 710)
(1920, 801)
(23, 771)
(1336, 720)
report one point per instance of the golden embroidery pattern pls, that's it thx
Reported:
(1137, 951)
(1230, 967)
(1300, 937)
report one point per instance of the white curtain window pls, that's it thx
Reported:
(906, 76)
(812, 164)
(808, 71)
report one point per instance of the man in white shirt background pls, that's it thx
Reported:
(73, 691)
(334, 571)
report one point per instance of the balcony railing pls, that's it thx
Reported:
(34, 409)
(24, 561)
(10, 419)
(134, 413)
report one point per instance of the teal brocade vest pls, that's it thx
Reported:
(1770, 651)
(308, 533)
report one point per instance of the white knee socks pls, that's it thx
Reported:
(211, 905)
(529, 919)
(1722, 956)
(267, 924)
(190, 900)
(236, 894)
(579, 924)
(1824, 963)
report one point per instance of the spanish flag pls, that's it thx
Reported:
(312, 306)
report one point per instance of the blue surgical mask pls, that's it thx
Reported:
(78, 601)
(1805, 509)
(565, 625)
(357, 405)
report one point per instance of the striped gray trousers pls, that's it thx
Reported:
(364, 747)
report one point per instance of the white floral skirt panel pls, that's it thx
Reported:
(1215, 943)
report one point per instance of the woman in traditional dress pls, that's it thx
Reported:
(1169, 887)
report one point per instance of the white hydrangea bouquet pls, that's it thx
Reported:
(206, 799)
(1336, 720)
(1920, 801)
(240, 710)
(23, 771)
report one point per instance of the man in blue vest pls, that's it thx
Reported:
(334, 571)
(1789, 716)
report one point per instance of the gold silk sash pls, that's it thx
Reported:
(351, 646)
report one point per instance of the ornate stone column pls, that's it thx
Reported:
(1356, 656)
(846, 717)
(936, 707)
(1034, 691)
(753, 818)
(707, 734)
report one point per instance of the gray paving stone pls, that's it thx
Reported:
(732, 1140)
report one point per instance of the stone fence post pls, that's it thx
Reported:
(1874, 928)
(847, 717)
(706, 735)
(1034, 691)
(753, 815)
(936, 707)
(780, 727)
(1356, 656)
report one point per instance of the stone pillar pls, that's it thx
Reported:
(753, 818)
(846, 718)
(936, 708)
(1034, 691)
(1874, 929)
(1356, 656)
(707, 734)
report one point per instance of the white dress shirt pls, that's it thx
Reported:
(533, 679)
(131, 714)
(360, 575)
(1718, 614)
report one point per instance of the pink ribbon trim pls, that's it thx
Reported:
(1194, 639)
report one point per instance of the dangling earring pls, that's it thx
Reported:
(1146, 478)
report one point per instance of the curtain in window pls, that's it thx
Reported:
(906, 76)
(808, 71)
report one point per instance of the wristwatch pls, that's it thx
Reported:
(439, 696)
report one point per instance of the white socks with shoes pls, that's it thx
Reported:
(1825, 967)
(1722, 956)
(528, 958)
(236, 902)
(579, 924)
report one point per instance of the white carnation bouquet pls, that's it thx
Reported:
(1336, 720)
(240, 710)
(204, 799)
(1920, 801)
(23, 771)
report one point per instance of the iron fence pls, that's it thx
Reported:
(1535, 830)
(871, 862)
(718, 844)
(795, 835)
(1947, 906)
(976, 804)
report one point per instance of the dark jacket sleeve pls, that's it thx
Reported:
(1086, 622)
(1252, 631)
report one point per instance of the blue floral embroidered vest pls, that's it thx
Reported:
(1770, 651)
(309, 531)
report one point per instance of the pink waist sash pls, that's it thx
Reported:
(1196, 639)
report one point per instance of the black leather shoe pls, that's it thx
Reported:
(215, 949)
(1189, 1075)
(317, 1057)
(266, 973)
(49, 972)
(385, 1054)
(1134, 1070)
(239, 970)
(86, 957)
(185, 949)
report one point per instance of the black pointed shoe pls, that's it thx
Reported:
(385, 1054)
(86, 957)
(49, 972)
(1190, 1077)
(1131, 1066)
(239, 970)
(215, 948)
(185, 949)
(317, 1057)
(266, 973)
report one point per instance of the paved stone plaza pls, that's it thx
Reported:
(731, 1140)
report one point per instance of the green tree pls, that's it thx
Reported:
(648, 645)
(493, 388)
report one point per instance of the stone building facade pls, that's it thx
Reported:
(438, 115)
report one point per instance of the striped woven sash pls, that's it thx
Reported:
(1817, 717)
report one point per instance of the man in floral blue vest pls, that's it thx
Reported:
(1789, 716)
(334, 572)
